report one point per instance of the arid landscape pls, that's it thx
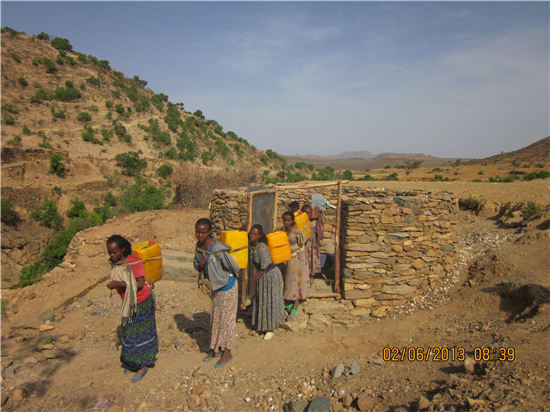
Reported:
(59, 341)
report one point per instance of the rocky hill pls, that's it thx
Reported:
(75, 129)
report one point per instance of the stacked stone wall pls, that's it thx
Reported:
(393, 244)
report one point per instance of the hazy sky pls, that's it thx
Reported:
(449, 79)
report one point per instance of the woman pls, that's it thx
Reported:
(139, 329)
(216, 265)
(297, 273)
(268, 310)
(313, 245)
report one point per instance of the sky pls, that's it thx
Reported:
(447, 79)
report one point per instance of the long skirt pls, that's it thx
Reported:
(139, 338)
(268, 310)
(223, 318)
(297, 283)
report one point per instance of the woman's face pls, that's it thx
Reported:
(254, 236)
(115, 252)
(202, 233)
(308, 211)
(294, 209)
(287, 221)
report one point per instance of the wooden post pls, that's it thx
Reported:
(274, 228)
(244, 285)
(337, 278)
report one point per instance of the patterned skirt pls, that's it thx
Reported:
(268, 310)
(139, 338)
(223, 318)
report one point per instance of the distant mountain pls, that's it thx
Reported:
(359, 154)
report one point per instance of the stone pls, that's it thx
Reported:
(379, 313)
(198, 372)
(47, 346)
(399, 290)
(337, 371)
(297, 406)
(347, 401)
(448, 248)
(418, 264)
(63, 339)
(207, 394)
(9, 372)
(423, 403)
(469, 365)
(193, 401)
(44, 328)
(401, 409)
(354, 368)
(198, 390)
(365, 402)
(17, 395)
(364, 303)
(48, 315)
(27, 323)
(104, 403)
(320, 404)
(379, 362)
(4, 399)
(358, 294)
(30, 359)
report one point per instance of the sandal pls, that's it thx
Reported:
(209, 358)
(293, 311)
(289, 306)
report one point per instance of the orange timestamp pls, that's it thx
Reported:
(443, 354)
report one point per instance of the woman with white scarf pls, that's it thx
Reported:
(137, 315)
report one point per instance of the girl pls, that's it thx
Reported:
(139, 329)
(214, 263)
(313, 246)
(268, 310)
(297, 273)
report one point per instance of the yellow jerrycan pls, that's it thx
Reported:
(302, 223)
(236, 239)
(279, 248)
(153, 268)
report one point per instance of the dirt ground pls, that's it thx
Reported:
(495, 303)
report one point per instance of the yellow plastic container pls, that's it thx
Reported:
(153, 268)
(279, 249)
(302, 223)
(237, 239)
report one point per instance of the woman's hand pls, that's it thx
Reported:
(202, 262)
(113, 284)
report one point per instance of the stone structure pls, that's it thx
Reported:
(393, 244)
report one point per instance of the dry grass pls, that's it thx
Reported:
(194, 184)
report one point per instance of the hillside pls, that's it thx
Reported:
(537, 152)
(76, 130)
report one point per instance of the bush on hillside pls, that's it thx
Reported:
(138, 198)
(84, 116)
(165, 171)
(8, 214)
(120, 131)
(43, 36)
(57, 167)
(130, 163)
(41, 95)
(22, 81)
(66, 94)
(61, 44)
(50, 66)
(47, 215)
(78, 209)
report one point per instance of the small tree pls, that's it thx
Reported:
(411, 164)
(43, 36)
(9, 215)
(61, 44)
(165, 171)
(57, 167)
(130, 162)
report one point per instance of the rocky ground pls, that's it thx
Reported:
(60, 349)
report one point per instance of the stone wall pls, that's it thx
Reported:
(394, 244)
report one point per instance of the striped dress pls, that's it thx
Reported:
(268, 311)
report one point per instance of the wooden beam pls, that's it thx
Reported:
(244, 277)
(274, 228)
(315, 185)
(337, 276)
(326, 295)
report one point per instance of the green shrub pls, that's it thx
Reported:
(84, 116)
(472, 203)
(119, 108)
(47, 215)
(139, 199)
(108, 104)
(10, 108)
(93, 81)
(130, 163)
(57, 167)
(541, 174)
(532, 209)
(88, 136)
(158, 101)
(78, 209)
(391, 177)
(57, 115)
(104, 64)
(71, 61)
(36, 61)
(22, 81)
(41, 95)
(16, 57)
(165, 171)
(82, 58)
(61, 44)
(31, 274)
(15, 140)
(56, 190)
(43, 36)
(120, 131)
(12, 32)
(66, 94)
(106, 134)
(156, 134)
(207, 156)
(8, 214)
(8, 119)
(477, 180)
(50, 66)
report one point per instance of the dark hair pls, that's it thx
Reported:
(289, 214)
(204, 222)
(306, 206)
(260, 229)
(295, 204)
(122, 243)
